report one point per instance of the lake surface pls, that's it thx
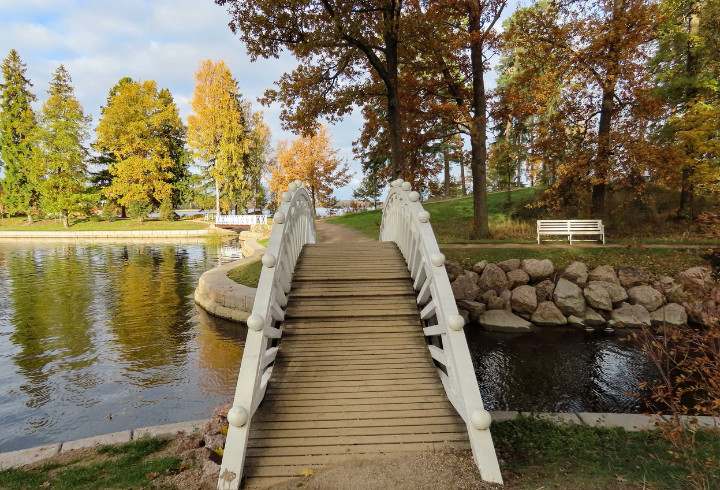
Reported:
(98, 338)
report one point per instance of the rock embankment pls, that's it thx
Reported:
(517, 295)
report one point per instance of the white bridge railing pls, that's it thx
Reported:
(293, 227)
(406, 223)
(240, 219)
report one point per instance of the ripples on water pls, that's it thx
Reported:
(558, 370)
(100, 338)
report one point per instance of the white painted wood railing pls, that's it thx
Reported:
(293, 228)
(240, 219)
(406, 223)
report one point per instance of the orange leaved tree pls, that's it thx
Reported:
(312, 160)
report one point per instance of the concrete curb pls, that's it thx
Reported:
(223, 297)
(628, 421)
(24, 457)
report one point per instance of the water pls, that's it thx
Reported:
(559, 370)
(100, 338)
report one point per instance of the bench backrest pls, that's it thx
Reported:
(567, 225)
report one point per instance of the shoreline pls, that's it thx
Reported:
(628, 422)
(15, 236)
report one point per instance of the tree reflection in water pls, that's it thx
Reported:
(96, 338)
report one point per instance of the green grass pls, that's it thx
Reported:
(655, 261)
(247, 274)
(264, 241)
(93, 224)
(366, 222)
(125, 466)
(545, 455)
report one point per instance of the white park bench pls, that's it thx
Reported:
(571, 228)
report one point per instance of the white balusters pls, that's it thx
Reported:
(406, 223)
(294, 227)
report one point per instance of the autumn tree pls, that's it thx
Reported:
(340, 46)
(18, 131)
(225, 135)
(312, 160)
(599, 49)
(134, 130)
(686, 67)
(62, 153)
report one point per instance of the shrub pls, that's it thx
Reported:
(166, 211)
(139, 210)
(109, 211)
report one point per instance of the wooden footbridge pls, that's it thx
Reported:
(354, 350)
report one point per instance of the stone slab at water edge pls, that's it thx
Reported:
(515, 295)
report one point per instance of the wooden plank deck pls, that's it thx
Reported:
(353, 376)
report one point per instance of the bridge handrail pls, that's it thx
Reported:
(405, 222)
(293, 227)
(240, 219)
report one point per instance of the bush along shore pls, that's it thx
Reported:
(516, 295)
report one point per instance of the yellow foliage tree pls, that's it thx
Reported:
(223, 133)
(312, 160)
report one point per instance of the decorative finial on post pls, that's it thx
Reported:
(237, 416)
(279, 218)
(256, 322)
(424, 216)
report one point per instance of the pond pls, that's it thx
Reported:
(99, 338)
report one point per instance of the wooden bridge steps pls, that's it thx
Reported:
(353, 377)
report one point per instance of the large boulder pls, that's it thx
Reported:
(598, 297)
(548, 315)
(524, 300)
(487, 295)
(493, 277)
(616, 291)
(495, 303)
(503, 321)
(631, 316)
(507, 297)
(517, 277)
(673, 291)
(465, 286)
(591, 319)
(544, 290)
(696, 278)
(569, 298)
(538, 269)
(649, 297)
(670, 315)
(474, 309)
(453, 270)
(509, 265)
(576, 272)
(604, 273)
(630, 276)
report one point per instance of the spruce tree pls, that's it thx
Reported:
(18, 130)
(62, 134)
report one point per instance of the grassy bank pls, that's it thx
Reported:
(533, 454)
(247, 274)
(656, 261)
(93, 224)
(451, 220)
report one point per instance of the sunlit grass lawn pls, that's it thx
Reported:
(247, 274)
(87, 224)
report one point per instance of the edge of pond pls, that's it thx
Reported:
(223, 297)
(628, 422)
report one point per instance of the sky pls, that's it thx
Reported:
(101, 41)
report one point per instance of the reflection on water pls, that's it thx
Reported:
(558, 370)
(100, 338)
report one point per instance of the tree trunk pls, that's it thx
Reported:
(30, 219)
(446, 157)
(65, 220)
(480, 228)
(602, 165)
(394, 118)
(217, 198)
(687, 187)
(123, 212)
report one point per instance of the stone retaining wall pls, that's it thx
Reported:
(223, 297)
(107, 235)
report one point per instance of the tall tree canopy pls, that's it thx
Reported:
(225, 135)
(18, 130)
(339, 45)
(312, 160)
(140, 129)
(62, 154)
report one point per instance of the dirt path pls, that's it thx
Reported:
(565, 245)
(332, 233)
